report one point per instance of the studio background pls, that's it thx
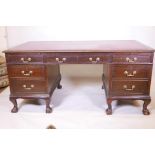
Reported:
(81, 103)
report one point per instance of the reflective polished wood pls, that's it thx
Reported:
(34, 71)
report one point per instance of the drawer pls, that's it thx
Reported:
(61, 58)
(34, 71)
(27, 58)
(132, 58)
(27, 86)
(93, 58)
(125, 88)
(131, 71)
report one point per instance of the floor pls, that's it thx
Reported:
(80, 104)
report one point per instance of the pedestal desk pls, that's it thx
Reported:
(34, 73)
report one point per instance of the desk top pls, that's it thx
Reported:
(81, 46)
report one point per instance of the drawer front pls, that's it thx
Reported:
(79, 57)
(125, 88)
(131, 71)
(34, 71)
(61, 58)
(93, 58)
(27, 86)
(132, 58)
(27, 58)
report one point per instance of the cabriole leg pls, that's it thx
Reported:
(145, 110)
(15, 107)
(48, 108)
(109, 109)
(59, 86)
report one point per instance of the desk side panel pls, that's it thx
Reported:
(53, 77)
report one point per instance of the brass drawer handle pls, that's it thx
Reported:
(130, 74)
(27, 74)
(131, 60)
(94, 61)
(28, 88)
(61, 61)
(26, 61)
(129, 89)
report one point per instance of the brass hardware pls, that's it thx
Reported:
(28, 88)
(131, 60)
(129, 74)
(60, 61)
(94, 61)
(26, 61)
(129, 89)
(27, 74)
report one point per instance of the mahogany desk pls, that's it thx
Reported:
(34, 73)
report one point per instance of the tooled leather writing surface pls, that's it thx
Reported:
(105, 45)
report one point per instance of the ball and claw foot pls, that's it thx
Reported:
(14, 110)
(109, 111)
(146, 112)
(49, 110)
(59, 86)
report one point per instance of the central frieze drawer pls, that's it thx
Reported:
(61, 58)
(36, 71)
(94, 58)
(132, 58)
(27, 86)
(130, 87)
(131, 71)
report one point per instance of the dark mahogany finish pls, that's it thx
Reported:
(33, 69)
